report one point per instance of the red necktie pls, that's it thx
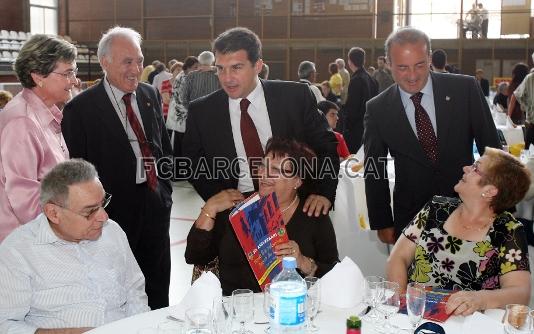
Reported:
(425, 131)
(150, 168)
(251, 141)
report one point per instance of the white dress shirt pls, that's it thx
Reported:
(258, 112)
(115, 96)
(47, 282)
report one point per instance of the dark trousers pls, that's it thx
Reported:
(485, 28)
(147, 227)
(529, 134)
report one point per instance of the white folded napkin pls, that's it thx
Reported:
(343, 285)
(201, 294)
(531, 150)
(509, 123)
(481, 323)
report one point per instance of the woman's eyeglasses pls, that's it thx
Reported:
(69, 75)
(475, 167)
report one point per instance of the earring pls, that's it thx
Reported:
(483, 194)
(40, 84)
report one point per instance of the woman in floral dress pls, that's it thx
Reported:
(470, 243)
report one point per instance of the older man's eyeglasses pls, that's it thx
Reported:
(475, 167)
(69, 75)
(91, 213)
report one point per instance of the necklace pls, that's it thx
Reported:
(59, 136)
(481, 228)
(290, 205)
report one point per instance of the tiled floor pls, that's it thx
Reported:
(185, 210)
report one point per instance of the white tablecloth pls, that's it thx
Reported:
(330, 320)
(350, 215)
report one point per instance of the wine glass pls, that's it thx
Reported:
(198, 320)
(374, 291)
(516, 319)
(390, 304)
(313, 302)
(267, 302)
(243, 308)
(415, 303)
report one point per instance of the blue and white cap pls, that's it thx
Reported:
(289, 262)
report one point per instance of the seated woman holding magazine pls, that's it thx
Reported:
(312, 240)
(471, 243)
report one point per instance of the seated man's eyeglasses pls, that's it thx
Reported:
(90, 214)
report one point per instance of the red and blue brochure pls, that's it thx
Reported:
(258, 225)
(436, 301)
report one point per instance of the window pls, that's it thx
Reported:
(43, 16)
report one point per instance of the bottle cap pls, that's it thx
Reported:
(354, 322)
(289, 262)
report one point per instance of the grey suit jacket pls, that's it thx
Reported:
(462, 115)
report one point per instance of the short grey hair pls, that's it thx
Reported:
(55, 184)
(206, 58)
(40, 54)
(104, 45)
(340, 62)
(306, 68)
(406, 35)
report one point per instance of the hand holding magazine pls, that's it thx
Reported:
(258, 225)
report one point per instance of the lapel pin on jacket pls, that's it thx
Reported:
(447, 98)
(148, 104)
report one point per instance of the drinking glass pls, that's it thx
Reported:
(374, 291)
(267, 302)
(390, 304)
(516, 319)
(313, 302)
(243, 308)
(415, 303)
(220, 315)
(198, 320)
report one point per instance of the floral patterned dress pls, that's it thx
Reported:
(447, 262)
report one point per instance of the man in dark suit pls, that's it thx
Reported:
(232, 125)
(430, 135)
(362, 88)
(118, 126)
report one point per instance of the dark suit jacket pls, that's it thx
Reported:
(293, 114)
(362, 87)
(93, 131)
(462, 114)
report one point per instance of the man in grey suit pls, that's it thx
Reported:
(427, 122)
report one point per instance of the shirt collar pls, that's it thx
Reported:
(45, 115)
(254, 96)
(45, 234)
(427, 90)
(117, 92)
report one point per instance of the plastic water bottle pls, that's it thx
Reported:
(288, 298)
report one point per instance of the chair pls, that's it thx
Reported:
(14, 54)
(6, 56)
(13, 35)
(22, 36)
(4, 34)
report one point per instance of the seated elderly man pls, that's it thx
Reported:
(470, 243)
(71, 268)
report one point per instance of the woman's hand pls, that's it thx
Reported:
(222, 201)
(465, 303)
(290, 248)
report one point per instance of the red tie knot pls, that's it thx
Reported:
(243, 104)
(127, 98)
(416, 98)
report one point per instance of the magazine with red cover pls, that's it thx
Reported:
(436, 301)
(258, 225)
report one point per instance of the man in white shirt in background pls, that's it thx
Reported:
(484, 16)
(71, 268)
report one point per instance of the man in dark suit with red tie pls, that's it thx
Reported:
(427, 122)
(232, 125)
(118, 126)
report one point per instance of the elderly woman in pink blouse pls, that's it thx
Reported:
(30, 127)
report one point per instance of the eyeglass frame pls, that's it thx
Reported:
(105, 202)
(70, 75)
(475, 167)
